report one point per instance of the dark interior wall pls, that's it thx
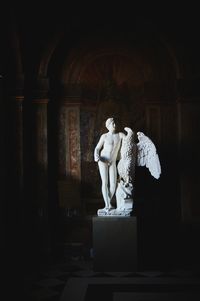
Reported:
(65, 77)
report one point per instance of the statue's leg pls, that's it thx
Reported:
(103, 169)
(112, 179)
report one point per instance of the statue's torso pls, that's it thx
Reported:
(111, 146)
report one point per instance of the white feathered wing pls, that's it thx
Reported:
(147, 155)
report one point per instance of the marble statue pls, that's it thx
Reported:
(105, 154)
(126, 172)
(118, 179)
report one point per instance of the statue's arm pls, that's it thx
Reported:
(121, 135)
(98, 148)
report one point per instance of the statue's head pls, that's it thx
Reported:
(109, 121)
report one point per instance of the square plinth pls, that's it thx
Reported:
(115, 244)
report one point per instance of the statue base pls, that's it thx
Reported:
(115, 244)
(114, 212)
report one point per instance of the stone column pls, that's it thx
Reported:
(40, 145)
(69, 154)
(19, 141)
(189, 162)
(17, 100)
(40, 148)
(40, 206)
(3, 169)
(161, 127)
(12, 166)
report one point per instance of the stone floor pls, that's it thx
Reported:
(75, 279)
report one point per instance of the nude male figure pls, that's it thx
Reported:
(105, 154)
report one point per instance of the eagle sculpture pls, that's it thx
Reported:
(142, 153)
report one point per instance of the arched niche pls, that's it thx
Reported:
(131, 77)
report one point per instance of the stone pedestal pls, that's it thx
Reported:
(115, 244)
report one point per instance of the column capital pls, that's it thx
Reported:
(70, 101)
(40, 101)
(19, 98)
(184, 100)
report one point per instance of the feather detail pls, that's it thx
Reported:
(147, 155)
